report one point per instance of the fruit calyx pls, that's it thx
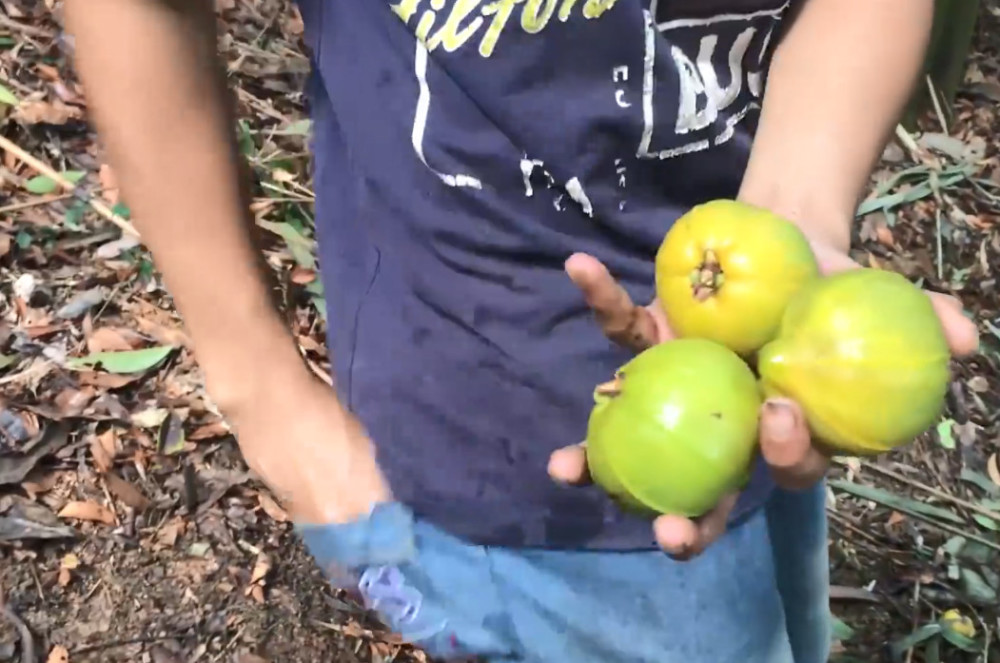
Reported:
(610, 389)
(707, 278)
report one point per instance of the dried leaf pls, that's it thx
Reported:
(106, 339)
(126, 492)
(29, 521)
(102, 459)
(89, 511)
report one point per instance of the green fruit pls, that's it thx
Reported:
(676, 430)
(864, 354)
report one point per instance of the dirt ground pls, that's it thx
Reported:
(130, 529)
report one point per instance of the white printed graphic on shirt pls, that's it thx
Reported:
(698, 77)
(706, 110)
(420, 122)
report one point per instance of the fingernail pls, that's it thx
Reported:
(780, 419)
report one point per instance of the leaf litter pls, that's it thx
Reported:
(130, 529)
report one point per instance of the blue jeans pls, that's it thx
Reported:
(758, 595)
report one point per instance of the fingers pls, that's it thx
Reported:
(684, 538)
(621, 320)
(569, 465)
(787, 447)
(962, 333)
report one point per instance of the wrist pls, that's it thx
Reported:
(822, 220)
(258, 375)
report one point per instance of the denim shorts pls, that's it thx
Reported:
(757, 595)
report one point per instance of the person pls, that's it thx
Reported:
(492, 180)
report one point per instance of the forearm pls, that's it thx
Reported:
(156, 92)
(836, 88)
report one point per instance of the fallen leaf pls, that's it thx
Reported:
(130, 361)
(209, 431)
(29, 521)
(106, 380)
(40, 485)
(72, 402)
(993, 469)
(43, 184)
(81, 303)
(5, 243)
(87, 510)
(14, 467)
(107, 339)
(126, 492)
(58, 654)
(102, 459)
(55, 112)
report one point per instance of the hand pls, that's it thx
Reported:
(784, 438)
(310, 452)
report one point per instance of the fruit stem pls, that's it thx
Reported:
(611, 388)
(707, 278)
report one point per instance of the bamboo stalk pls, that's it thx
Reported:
(46, 170)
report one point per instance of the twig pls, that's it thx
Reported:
(937, 103)
(27, 642)
(934, 491)
(916, 617)
(8, 22)
(44, 169)
(111, 644)
(13, 207)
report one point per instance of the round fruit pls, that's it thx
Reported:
(726, 270)
(863, 352)
(676, 429)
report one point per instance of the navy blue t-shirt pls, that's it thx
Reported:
(463, 150)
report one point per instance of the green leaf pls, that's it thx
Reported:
(23, 239)
(7, 96)
(922, 634)
(986, 522)
(976, 588)
(299, 246)
(841, 630)
(127, 361)
(299, 128)
(979, 479)
(944, 434)
(122, 210)
(896, 501)
(7, 360)
(43, 184)
(959, 640)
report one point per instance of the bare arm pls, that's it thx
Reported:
(836, 88)
(156, 92)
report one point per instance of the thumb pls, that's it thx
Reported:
(787, 447)
(569, 465)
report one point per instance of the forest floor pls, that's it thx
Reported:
(131, 530)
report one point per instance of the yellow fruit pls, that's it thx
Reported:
(863, 352)
(676, 430)
(958, 623)
(726, 270)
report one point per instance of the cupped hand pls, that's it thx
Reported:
(784, 438)
(312, 454)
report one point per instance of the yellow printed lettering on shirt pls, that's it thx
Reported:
(451, 24)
